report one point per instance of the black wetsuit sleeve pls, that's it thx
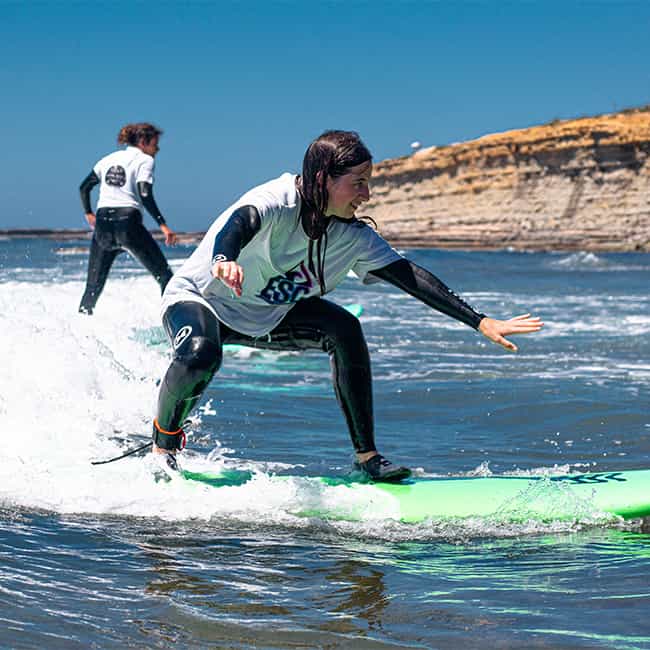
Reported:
(244, 223)
(425, 286)
(86, 186)
(145, 190)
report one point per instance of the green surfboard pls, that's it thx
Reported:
(502, 498)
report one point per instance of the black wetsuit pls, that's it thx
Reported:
(118, 230)
(197, 337)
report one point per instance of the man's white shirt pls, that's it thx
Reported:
(119, 174)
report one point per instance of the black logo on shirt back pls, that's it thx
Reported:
(115, 176)
(290, 287)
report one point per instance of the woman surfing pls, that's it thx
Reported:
(258, 278)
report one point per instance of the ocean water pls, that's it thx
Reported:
(106, 557)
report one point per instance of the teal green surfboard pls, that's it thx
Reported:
(502, 498)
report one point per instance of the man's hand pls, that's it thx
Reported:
(170, 235)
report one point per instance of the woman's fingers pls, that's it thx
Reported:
(231, 274)
(497, 330)
(524, 324)
(508, 345)
(502, 341)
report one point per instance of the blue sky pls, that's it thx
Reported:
(241, 88)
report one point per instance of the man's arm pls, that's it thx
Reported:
(84, 190)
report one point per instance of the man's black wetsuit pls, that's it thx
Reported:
(119, 229)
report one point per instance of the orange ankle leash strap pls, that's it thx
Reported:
(178, 432)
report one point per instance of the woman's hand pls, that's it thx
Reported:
(496, 330)
(91, 219)
(231, 274)
(170, 235)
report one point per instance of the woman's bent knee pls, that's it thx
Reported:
(200, 353)
(344, 333)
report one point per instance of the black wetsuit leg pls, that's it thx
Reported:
(117, 230)
(133, 237)
(315, 323)
(103, 252)
(195, 335)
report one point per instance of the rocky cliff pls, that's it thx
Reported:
(569, 185)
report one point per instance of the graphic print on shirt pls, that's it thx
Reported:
(290, 287)
(116, 176)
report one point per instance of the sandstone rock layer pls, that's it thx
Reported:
(571, 185)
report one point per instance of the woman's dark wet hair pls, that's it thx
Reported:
(138, 132)
(331, 154)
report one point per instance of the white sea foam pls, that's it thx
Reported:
(588, 261)
(73, 388)
(580, 260)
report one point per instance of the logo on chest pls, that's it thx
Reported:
(290, 287)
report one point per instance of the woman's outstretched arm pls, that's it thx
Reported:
(425, 286)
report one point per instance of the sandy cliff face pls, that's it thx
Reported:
(572, 185)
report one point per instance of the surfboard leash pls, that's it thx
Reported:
(124, 455)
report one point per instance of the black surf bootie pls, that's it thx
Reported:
(169, 460)
(381, 469)
(166, 445)
(166, 465)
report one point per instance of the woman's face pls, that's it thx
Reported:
(150, 147)
(346, 193)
